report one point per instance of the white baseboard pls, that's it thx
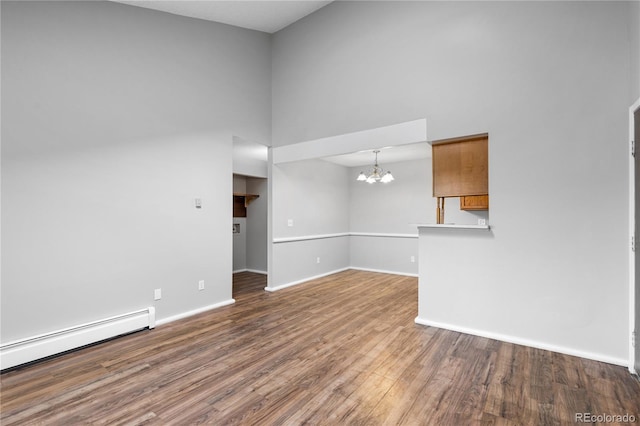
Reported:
(383, 271)
(41, 346)
(524, 342)
(304, 280)
(195, 312)
(255, 271)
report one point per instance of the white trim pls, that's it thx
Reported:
(632, 227)
(255, 271)
(195, 312)
(451, 226)
(524, 342)
(343, 234)
(304, 280)
(309, 237)
(382, 271)
(41, 346)
(382, 235)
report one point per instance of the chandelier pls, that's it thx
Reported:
(375, 173)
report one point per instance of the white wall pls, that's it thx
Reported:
(114, 119)
(549, 82)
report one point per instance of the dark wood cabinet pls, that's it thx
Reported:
(240, 203)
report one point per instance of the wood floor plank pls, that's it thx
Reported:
(343, 349)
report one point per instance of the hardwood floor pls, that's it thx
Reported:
(340, 350)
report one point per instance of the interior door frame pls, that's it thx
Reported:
(632, 233)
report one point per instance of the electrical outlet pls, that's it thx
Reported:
(482, 222)
(201, 285)
(290, 222)
(157, 294)
(317, 260)
(413, 259)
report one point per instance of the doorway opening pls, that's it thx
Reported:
(249, 230)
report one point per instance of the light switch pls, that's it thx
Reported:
(198, 203)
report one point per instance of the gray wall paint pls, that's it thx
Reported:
(240, 239)
(240, 245)
(384, 254)
(392, 207)
(249, 158)
(634, 34)
(634, 27)
(297, 261)
(114, 119)
(250, 245)
(314, 194)
(257, 225)
(549, 82)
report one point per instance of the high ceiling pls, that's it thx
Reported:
(271, 16)
(261, 15)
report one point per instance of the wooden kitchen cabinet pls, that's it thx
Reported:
(460, 168)
(474, 202)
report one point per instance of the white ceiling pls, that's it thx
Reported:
(261, 15)
(387, 155)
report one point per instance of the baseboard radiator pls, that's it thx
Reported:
(37, 347)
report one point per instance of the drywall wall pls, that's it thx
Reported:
(312, 196)
(249, 158)
(240, 245)
(550, 84)
(299, 168)
(257, 214)
(250, 244)
(382, 211)
(634, 35)
(115, 118)
(396, 207)
(240, 238)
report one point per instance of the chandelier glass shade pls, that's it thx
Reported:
(375, 173)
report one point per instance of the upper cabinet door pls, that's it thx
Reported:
(461, 166)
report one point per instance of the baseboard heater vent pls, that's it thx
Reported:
(37, 347)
